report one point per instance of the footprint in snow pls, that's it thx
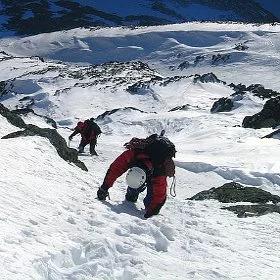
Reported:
(90, 260)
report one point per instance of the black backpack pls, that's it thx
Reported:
(159, 148)
(91, 125)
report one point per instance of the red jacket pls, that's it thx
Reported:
(157, 190)
(87, 136)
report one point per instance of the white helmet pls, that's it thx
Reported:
(135, 177)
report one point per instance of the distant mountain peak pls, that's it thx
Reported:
(40, 16)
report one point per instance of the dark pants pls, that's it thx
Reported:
(92, 145)
(132, 194)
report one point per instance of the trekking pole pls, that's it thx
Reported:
(172, 188)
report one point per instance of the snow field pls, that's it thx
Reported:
(54, 228)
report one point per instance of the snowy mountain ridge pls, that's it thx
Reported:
(34, 17)
(137, 82)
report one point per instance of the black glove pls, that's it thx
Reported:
(102, 193)
(148, 215)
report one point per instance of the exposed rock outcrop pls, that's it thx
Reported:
(108, 113)
(184, 65)
(180, 108)
(25, 111)
(220, 58)
(198, 59)
(275, 134)
(12, 118)
(269, 116)
(226, 104)
(68, 154)
(256, 89)
(222, 105)
(244, 211)
(5, 87)
(207, 78)
(262, 92)
(166, 81)
(140, 88)
(241, 47)
(234, 192)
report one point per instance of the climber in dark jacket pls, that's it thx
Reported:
(153, 155)
(89, 131)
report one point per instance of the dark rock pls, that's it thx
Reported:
(143, 88)
(38, 57)
(12, 118)
(26, 102)
(107, 113)
(241, 47)
(234, 192)
(262, 92)
(4, 53)
(27, 110)
(164, 82)
(222, 105)
(140, 88)
(178, 108)
(238, 92)
(5, 87)
(220, 58)
(49, 121)
(198, 59)
(22, 111)
(244, 211)
(68, 154)
(183, 65)
(238, 87)
(269, 116)
(207, 78)
(275, 134)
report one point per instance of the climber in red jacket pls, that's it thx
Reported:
(149, 162)
(89, 131)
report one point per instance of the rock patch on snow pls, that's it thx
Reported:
(180, 108)
(5, 87)
(269, 116)
(13, 118)
(244, 211)
(222, 105)
(68, 154)
(275, 134)
(108, 113)
(241, 47)
(256, 89)
(26, 111)
(234, 192)
(207, 78)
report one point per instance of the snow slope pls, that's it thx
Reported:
(53, 227)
